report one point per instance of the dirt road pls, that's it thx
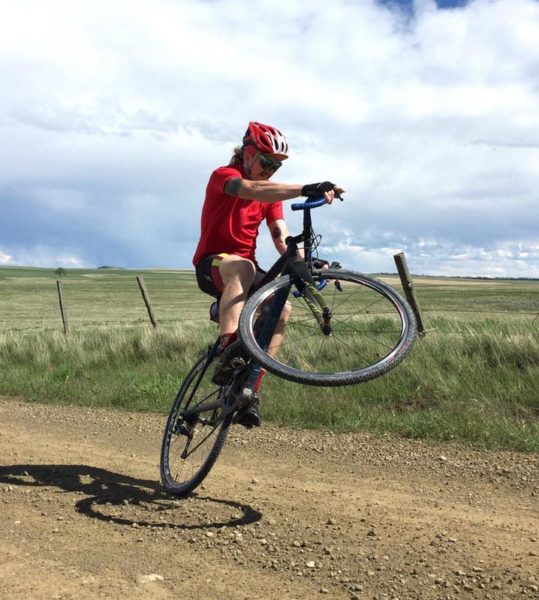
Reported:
(285, 514)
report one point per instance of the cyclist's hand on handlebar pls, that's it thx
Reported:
(320, 263)
(311, 190)
(324, 188)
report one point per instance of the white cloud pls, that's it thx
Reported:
(114, 113)
(5, 259)
(40, 256)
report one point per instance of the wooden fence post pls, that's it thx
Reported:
(146, 298)
(408, 287)
(63, 310)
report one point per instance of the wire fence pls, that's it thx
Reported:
(168, 299)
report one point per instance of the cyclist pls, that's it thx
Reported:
(239, 197)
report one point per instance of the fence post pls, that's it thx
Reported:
(408, 287)
(63, 310)
(146, 298)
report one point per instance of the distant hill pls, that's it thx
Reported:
(109, 267)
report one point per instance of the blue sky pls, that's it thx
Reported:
(114, 113)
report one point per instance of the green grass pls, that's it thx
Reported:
(472, 378)
(464, 382)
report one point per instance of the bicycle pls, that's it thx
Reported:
(344, 328)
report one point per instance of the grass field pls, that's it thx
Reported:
(473, 377)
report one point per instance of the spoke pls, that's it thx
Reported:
(363, 309)
(346, 297)
(362, 289)
(354, 350)
(287, 343)
(369, 335)
(207, 397)
(322, 341)
(186, 454)
(305, 323)
(301, 305)
(291, 327)
(197, 383)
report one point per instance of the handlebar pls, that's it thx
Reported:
(312, 203)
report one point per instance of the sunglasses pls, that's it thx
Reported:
(269, 164)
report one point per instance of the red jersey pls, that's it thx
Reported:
(229, 223)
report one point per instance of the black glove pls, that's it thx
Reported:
(312, 190)
(320, 263)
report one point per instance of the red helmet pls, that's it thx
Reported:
(267, 139)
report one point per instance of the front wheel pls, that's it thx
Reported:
(195, 432)
(371, 328)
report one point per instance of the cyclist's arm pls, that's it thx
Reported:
(279, 233)
(270, 191)
(263, 191)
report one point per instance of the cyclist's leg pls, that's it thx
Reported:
(275, 342)
(226, 277)
(250, 417)
(229, 286)
(236, 275)
(278, 334)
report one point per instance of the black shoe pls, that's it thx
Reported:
(233, 357)
(249, 416)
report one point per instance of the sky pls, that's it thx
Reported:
(114, 113)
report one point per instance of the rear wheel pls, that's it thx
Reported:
(192, 442)
(371, 329)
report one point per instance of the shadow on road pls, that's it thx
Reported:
(107, 495)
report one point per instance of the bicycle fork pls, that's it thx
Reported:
(314, 300)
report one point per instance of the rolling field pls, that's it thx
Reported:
(473, 377)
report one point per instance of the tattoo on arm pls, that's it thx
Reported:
(276, 233)
(232, 186)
